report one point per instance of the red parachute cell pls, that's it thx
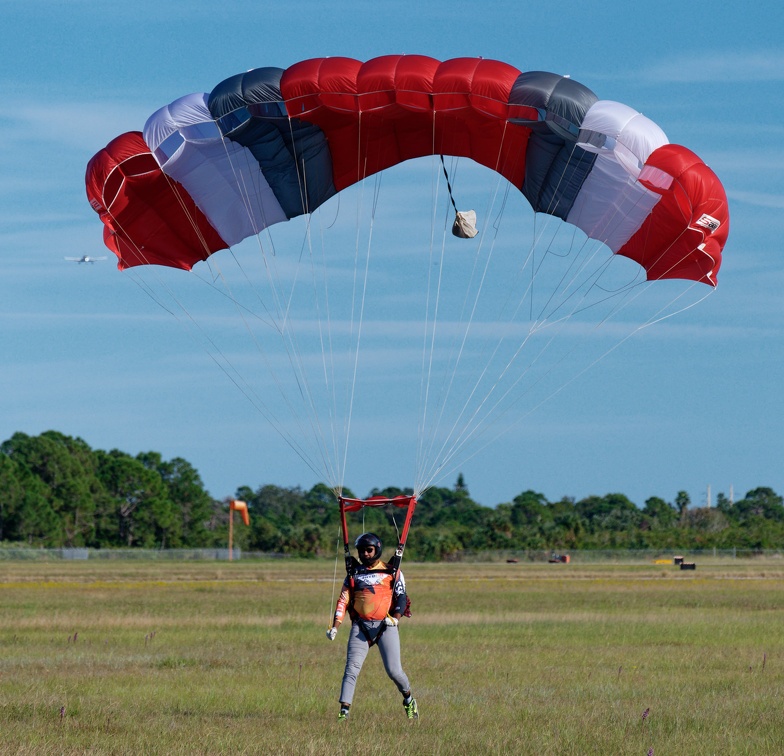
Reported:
(395, 108)
(149, 218)
(684, 235)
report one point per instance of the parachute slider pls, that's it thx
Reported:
(354, 505)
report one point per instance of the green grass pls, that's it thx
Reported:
(199, 658)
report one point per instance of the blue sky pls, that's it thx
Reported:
(692, 403)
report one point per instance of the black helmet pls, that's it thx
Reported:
(369, 539)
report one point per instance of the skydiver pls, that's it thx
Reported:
(375, 605)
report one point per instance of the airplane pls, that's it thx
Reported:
(84, 259)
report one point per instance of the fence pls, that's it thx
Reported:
(583, 556)
(617, 556)
(56, 555)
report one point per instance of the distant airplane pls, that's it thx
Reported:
(84, 259)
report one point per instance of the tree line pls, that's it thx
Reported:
(55, 491)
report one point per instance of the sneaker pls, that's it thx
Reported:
(412, 712)
(343, 715)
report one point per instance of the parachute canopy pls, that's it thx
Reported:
(457, 345)
(271, 144)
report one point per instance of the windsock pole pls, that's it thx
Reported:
(242, 508)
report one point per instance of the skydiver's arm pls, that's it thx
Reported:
(341, 606)
(399, 599)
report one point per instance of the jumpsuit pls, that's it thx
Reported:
(368, 604)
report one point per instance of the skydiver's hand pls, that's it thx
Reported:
(390, 621)
(332, 633)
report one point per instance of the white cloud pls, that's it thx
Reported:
(761, 65)
(76, 125)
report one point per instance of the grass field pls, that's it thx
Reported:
(213, 658)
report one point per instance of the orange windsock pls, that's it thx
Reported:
(242, 508)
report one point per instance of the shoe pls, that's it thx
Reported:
(412, 712)
(343, 715)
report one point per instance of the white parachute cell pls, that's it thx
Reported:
(612, 204)
(223, 177)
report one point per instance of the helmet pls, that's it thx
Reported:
(369, 539)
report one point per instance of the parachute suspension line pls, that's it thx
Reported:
(225, 365)
(484, 359)
(354, 345)
(609, 224)
(374, 205)
(290, 344)
(188, 215)
(221, 360)
(425, 447)
(294, 355)
(327, 357)
(658, 318)
(441, 400)
(431, 329)
(492, 201)
(550, 219)
(458, 360)
(334, 578)
(327, 349)
(233, 374)
(684, 199)
(552, 367)
(268, 321)
(577, 265)
(472, 425)
(394, 522)
(427, 353)
(653, 320)
(490, 412)
(327, 458)
(328, 365)
(239, 180)
(329, 374)
(566, 282)
(299, 161)
(457, 443)
(543, 319)
(288, 338)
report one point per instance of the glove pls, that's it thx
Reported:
(332, 633)
(390, 621)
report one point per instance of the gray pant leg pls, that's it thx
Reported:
(389, 646)
(357, 651)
